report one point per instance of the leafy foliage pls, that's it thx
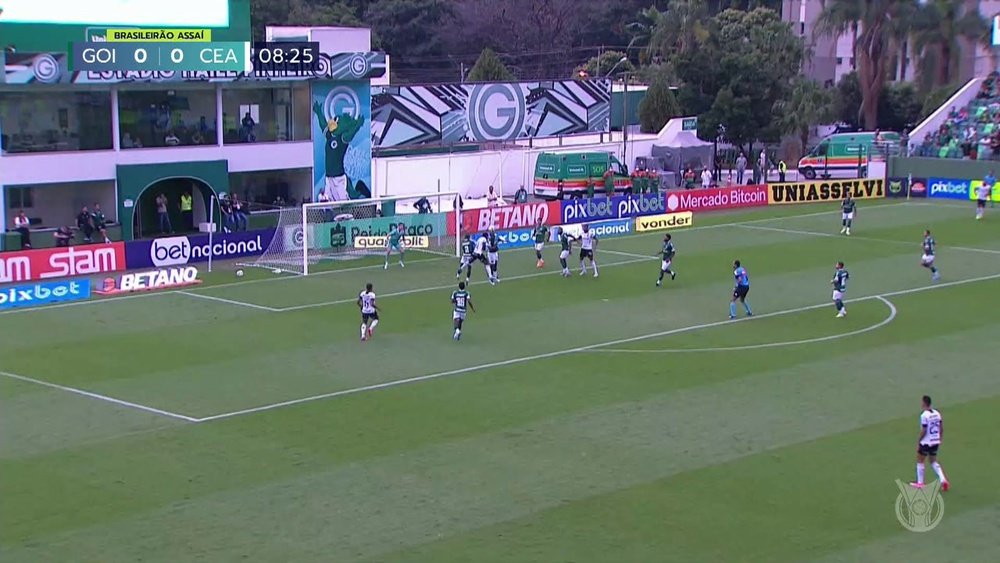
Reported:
(658, 106)
(489, 68)
(608, 61)
(808, 105)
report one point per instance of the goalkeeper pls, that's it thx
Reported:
(395, 241)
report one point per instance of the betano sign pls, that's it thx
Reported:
(169, 278)
(825, 190)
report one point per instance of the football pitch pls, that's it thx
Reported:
(582, 419)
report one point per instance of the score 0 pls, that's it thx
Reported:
(141, 55)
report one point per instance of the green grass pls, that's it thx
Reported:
(578, 420)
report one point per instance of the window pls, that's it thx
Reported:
(20, 198)
(252, 114)
(46, 121)
(167, 118)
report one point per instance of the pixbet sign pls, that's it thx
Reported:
(49, 263)
(512, 239)
(717, 198)
(596, 209)
(44, 293)
(949, 189)
(506, 218)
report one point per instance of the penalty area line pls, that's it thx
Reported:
(564, 352)
(892, 316)
(99, 397)
(229, 301)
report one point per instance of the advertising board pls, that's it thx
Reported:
(507, 240)
(167, 278)
(507, 217)
(664, 222)
(603, 229)
(712, 199)
(45, 293)
(64, 262)
(336, 234)
(380, 242)
(918, 187)
(975, 184)
(946, 188)
(191, 249)
(825, 190)
(618, 207)
(897, 187)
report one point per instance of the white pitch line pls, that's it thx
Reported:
(880, 324)
(870, 239)
(99, 397)
(448, 286)
(229, 301)
(887, 205)
(567, 351)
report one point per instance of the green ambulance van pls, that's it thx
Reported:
(846, 155)
(575, 169)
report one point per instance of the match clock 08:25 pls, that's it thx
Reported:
(280, 56)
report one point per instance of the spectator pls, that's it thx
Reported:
(689, 179)
(163, 214)
(521, 195)
(226, 209)
(782, 170)
(239, 214)
(590, 187)
(85, 222)
(762, 164)
(423, 206)
(609, 183)
(100, 222)
(247, 129)
(706, 178)
(741, 167)
(560, 189)
(492, 198)
(23, 226)
(127, 141)
(989, 181)
(187, 211)
(171, 139)
(63, 236)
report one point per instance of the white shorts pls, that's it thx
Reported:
(927, 259)
(493, 257)
(458, 316)
(336, 188)
(838, 295)
(466, 261)
(666, 265)
(539, 246)
(564, 255)
(849, 216)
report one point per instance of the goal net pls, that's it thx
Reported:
(347, 230)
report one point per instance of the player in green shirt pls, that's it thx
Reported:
(565, 246)
(539, 233)
(100, 222)
(609, 184)
(847, 208)
(395, 241)
(460, 300)
(927, 260)
(840, 277)
(668, 252)
(339, 132)
(641, 181)
(590, 188)
(654, 182)
(468, 248)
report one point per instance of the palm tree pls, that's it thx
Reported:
(809, 105)
(643, 30)
(938, 29)
(678, 29)
(877, 26)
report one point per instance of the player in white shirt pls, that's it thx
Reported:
(369, 312)
(983, 194)
(931, 431)
(480, 255)
(588, 243)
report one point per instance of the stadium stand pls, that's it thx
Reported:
(971, 132)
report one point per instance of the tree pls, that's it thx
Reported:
(658, 106)
(847, 108)
(809, 105)
(938, 27)
(899, 107)
(879, 27)
(678, 29)
(413, 32)
(489, 68)
(301, 12)
(600, 67)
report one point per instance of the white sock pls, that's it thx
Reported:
(594, 264)
(920, 474)
(458, 331)
(374, 324)
(940, 472)
(583, 267)
(364, 331)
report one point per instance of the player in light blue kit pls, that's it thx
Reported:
(395, 241)
(741, 290)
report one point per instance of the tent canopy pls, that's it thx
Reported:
(683, 150)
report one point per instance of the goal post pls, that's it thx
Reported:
(326, 232)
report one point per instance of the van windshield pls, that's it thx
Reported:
(820, 149)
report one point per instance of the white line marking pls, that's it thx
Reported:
(99, 397)
(887, 205)
(448, 286)
(870, 239)
(228, 301)
(880, 324)
(564, 352)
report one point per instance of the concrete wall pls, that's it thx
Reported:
(940, 168)
(58, 204)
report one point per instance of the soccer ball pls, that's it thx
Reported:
(239, 273)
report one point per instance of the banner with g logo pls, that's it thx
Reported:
(496, 112)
